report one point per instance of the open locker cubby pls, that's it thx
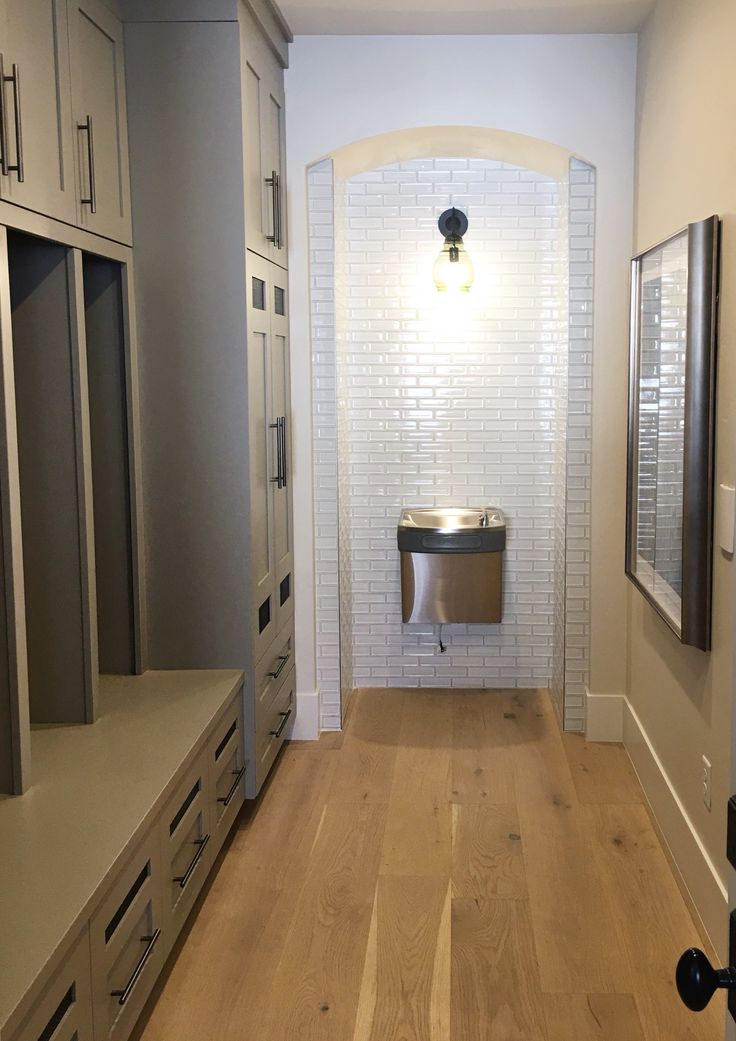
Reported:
(58, 558)
(107, 380)
(70, 375)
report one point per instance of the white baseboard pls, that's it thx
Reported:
(604, 717)
(306, 724)
(697, 871)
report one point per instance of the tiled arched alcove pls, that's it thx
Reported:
(514, 431)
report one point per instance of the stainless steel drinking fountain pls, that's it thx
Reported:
(452, 564)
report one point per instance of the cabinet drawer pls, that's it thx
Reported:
(276, 721)
(185, 848)
(126, 942)
(270, 672)
(226, 767)
(63, 1012)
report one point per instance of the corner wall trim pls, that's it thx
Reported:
(604, 717)
(698, 873)
(306, 724)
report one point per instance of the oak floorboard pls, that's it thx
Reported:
(238, 930)
(592, 1017)
(601, 772)
(315, 987)
(487, 852)
(365, 767)
(496, 993)
(382, 897)
(654, 920)
(571, 911)
(481, 768)
(405, 990)
(418, 837)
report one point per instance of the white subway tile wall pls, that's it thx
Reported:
(440, 401)
(581, 230)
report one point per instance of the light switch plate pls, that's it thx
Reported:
(726, 517)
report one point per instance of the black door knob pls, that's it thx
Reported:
(697, 980)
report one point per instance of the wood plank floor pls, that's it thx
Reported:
(452, 868)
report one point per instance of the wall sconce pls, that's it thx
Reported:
(453, 268)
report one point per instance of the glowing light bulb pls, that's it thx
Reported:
(453, 269)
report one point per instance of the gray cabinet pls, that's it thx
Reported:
(36, 141)
(63, 1011)
(94, 906)
(264, 141)
(269, 414)
(63, 133)
(213, 334)
(98, 104)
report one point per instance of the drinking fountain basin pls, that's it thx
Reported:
(452, 563)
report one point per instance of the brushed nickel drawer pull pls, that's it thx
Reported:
(279, 479)
(284, 720)
(238, 774)
(283, 658)
(91, 199)
(282, 432)
(123, 995)
(273, 183)
(184, 879)
(5, 166)
(3, 123)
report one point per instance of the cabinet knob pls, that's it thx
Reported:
(697, 980)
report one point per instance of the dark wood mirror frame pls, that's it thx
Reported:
(685, 605)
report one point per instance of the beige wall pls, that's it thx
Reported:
(576, 92)
(686, 170)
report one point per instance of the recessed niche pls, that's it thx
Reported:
(111, 480)
(48, 395)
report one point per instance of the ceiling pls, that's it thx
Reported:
(438, 17)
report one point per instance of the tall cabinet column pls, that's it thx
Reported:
(205, 116)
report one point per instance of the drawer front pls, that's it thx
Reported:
(63, 1011)
(226, 767)
(277, 721)
(185, 848)
(126, 942)
(270, 673)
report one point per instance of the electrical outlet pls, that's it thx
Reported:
(706, 778)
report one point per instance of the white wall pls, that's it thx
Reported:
(575, 91)
(686, 171)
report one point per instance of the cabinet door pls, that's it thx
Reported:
(265, 154)
(100, 125)
(274, 165)
(263, 455)
(282, 536)
(36, 165)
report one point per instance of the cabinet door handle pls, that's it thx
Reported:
(6, 167)
(91, 199)
(273, 183)
(278, 480)
(282, 423)
(226, 799)
(183, 880)
(124, 994)
(279, 240)
(3, 123)
(284, 720)
(283, 658)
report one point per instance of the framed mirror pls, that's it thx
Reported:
(672, 369)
